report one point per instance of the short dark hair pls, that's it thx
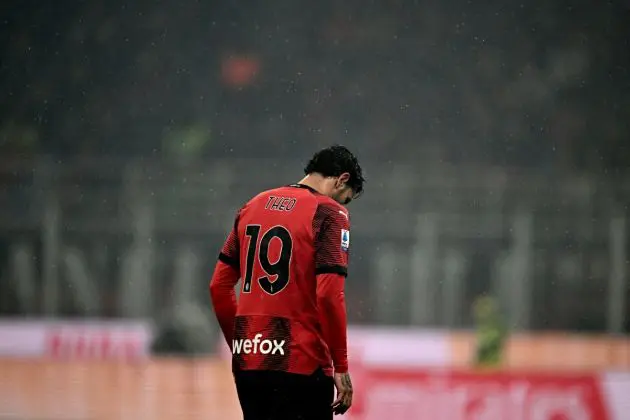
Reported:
(334, 161)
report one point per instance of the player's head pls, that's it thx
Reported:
(342, 175)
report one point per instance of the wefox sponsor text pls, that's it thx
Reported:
(257, 345)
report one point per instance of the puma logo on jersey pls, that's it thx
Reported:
(344, 214)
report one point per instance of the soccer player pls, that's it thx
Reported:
(287, 331)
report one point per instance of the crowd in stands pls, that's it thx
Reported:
(542, 84)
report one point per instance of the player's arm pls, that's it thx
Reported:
(331, 262)
(225, 276)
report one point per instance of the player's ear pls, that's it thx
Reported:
(343, 179)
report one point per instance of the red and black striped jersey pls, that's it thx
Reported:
(282, 240)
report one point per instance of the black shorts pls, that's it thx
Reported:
(271, 395)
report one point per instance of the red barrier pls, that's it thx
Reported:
(204, 389)
(466, 395)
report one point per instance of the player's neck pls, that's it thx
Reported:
(314, 181)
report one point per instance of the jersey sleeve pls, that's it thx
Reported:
(230, 253)
(331, 226)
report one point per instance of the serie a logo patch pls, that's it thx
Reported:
(345, 239)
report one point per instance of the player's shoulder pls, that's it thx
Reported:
(329, 207)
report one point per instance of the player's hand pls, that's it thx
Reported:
(344, 393)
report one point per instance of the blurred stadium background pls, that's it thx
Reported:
(495, 141)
